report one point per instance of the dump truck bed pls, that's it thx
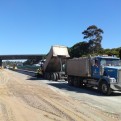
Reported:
(52, 63)
(78, 67)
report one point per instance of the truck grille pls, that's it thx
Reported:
(119, 76)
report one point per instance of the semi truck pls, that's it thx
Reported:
(54, 66)
(102, 72)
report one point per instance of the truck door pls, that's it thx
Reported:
(95, 69)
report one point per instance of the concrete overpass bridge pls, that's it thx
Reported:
(18, 57)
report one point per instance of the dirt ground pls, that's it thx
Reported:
(24, 100)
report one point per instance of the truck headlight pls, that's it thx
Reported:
(112, 80)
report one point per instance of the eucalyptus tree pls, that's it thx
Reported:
(94, 36)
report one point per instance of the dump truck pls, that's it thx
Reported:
(102, 72)
(54, 66)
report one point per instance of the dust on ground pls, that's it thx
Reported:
(24, 100)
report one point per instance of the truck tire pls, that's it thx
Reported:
(56, 76)
(45, 76)
(105, 88)
(59, 75)
(53, 76)
(70, 81)
(76, 82)
(48, 76)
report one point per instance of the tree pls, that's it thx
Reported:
(79, 49)
(120, 53)
(93, 34)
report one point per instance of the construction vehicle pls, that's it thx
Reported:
(102, 72)
(54, 66)
(14, 67)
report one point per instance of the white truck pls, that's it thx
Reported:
(54, 66)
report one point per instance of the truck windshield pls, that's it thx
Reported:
(110, 62)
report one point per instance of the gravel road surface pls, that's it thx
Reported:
(25, 98)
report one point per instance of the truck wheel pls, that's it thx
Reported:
(105, 88)
(53, 76)
(48, 76)
(45, 76)
(76, 82)
(70, 82)
(56, 76)
(59, 75)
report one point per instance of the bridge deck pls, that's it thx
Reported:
(14, 57)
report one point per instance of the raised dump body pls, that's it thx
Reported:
(78, 67)
(55, 62)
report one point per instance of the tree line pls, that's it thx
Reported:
(92, 45)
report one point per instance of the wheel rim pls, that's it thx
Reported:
(104, 88)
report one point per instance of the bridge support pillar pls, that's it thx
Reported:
(0, 62)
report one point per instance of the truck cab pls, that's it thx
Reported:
(107, 70)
